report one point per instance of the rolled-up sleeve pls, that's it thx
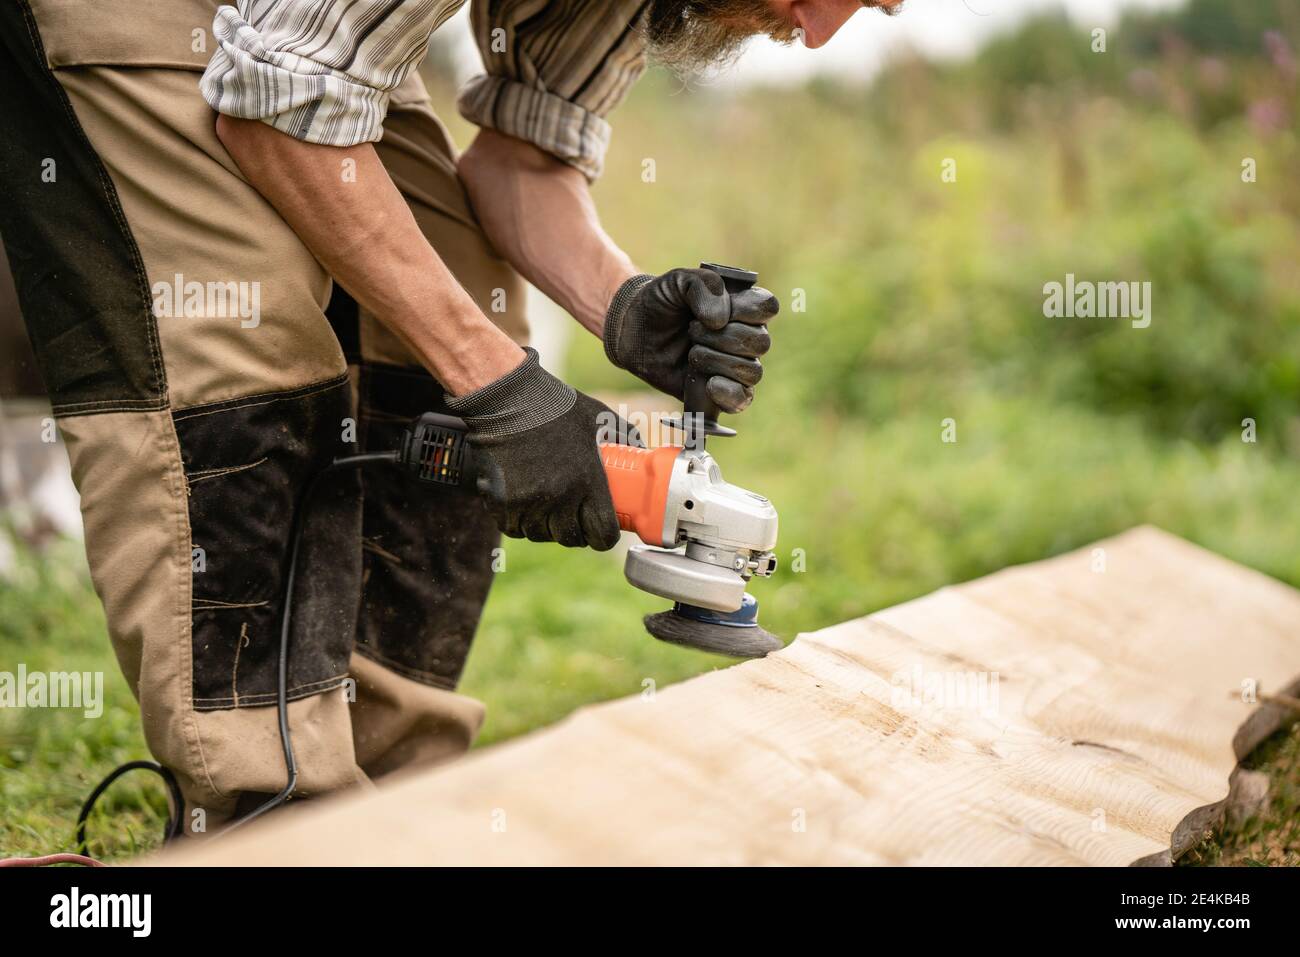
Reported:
(319, 70)
(554, 71)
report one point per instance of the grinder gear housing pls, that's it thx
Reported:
(704, 537)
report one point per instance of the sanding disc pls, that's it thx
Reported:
(748, 641)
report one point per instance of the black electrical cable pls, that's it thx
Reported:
(286, 619)
(175, 823)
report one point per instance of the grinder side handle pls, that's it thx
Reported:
(701, 413)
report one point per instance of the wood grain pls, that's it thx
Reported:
(1105, 734)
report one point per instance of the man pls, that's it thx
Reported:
(222, 308)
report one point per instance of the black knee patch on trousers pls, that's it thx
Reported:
(428, 550)
(247, 463)
(81, 282)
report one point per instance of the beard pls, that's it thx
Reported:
(692, 37)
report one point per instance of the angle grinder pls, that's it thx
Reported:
(704, 539)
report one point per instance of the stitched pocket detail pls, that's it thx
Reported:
(247, 464)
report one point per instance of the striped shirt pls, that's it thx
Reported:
(323, 70)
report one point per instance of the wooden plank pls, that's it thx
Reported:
(1052, 713)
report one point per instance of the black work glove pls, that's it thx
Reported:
(539, 470)
(657, 325)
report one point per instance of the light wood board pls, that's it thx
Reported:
(1105, 734)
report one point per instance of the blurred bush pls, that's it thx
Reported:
(924, 298)
(913, 283)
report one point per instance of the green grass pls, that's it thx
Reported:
(50, 759)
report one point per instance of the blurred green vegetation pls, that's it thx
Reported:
(923, 302)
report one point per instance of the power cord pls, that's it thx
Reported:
(286, 619)
(175, 822)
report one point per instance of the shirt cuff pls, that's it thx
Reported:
(301, 97)
(562, 128)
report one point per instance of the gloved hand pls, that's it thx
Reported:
(539, 470)
(656, 325)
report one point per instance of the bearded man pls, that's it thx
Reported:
(299, 166)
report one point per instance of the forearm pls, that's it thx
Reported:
(363, 233)
(538, 213)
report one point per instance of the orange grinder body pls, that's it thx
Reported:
(638, 483)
